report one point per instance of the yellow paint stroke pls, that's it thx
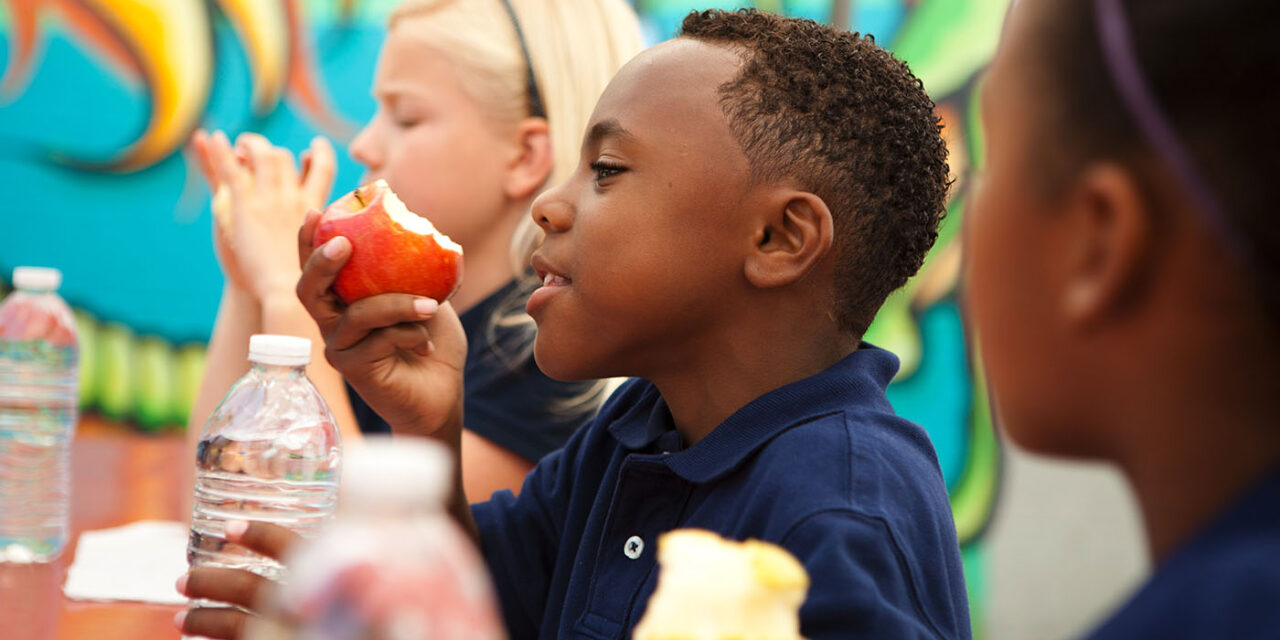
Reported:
(264, 30)
(172, 42)
(168, 46)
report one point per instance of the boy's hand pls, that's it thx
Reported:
(402, 353)
(265, 198)
(232, 586)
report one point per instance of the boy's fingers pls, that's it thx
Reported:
(318, 271)
(210, 622)
(307, 233)
(400, 313)
(268, 539)
(232, 586)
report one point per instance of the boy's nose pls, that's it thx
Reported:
(551, 213)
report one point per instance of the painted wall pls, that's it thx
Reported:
(98, 97)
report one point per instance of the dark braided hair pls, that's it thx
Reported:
(838, 114)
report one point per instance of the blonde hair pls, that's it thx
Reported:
(575, 47)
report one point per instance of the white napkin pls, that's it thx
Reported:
(140, 561)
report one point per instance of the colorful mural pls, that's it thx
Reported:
(99, 96)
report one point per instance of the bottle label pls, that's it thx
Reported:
(42, 351)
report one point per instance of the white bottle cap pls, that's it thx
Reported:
(400, 473)
(37, 278)
(285, 350)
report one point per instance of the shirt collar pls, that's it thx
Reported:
(858, 379)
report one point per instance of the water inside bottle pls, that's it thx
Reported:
(288, 480)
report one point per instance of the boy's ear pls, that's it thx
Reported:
(1107, 260)
(530, 165)
(791, 239)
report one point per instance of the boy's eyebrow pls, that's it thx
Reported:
(610, 128)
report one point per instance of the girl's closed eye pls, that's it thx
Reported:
(605, 169)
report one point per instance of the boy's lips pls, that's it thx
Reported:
(553, 282)
(547, 273)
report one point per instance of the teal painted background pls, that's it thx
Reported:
(134, 244)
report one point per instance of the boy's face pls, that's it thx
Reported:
(646, 238)
(1014, 240)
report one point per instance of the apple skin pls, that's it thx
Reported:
(386, 256)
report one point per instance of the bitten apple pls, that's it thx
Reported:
(393, 250)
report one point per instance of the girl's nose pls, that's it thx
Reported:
(364, 148)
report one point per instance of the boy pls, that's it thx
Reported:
(1126, 287)
(748, 195)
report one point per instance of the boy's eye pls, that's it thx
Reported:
(605, 170)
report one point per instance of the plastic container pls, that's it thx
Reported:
(39, 393)
(394, 565)
(270, 451)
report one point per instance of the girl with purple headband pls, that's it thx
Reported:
(1121, 279)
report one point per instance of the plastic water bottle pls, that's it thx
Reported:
(393, 565)
(269, 452)
(39, 389)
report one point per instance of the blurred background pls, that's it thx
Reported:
(98, 98)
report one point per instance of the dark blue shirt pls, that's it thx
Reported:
(508, 400)
(821, 466)
(1223, 584)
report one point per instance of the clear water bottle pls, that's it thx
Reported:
(270, 452)
(39, 390)
(393, 565)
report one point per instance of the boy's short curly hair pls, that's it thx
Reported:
(849, 122)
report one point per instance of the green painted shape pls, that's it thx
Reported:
(975, 135)
(974, 497)
(947, 41)
(156, 383)
(114, 372)
(87, 336)
(974, 559)
(895, 329)
(190, 370)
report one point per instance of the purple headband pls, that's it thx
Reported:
(1122, 64)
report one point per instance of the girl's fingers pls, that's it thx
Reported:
(319, 169)
(226, 167)
(200, 146)
(271, 165)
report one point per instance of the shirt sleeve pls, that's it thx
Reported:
(860, 585)
(520, 538)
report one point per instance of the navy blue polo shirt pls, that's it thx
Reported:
(1223, 584)
(821, 466)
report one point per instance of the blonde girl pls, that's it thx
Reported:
(481, 105)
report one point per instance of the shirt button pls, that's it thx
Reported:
(633, 547)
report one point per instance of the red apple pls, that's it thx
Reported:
(393, 250)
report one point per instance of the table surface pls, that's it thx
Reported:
(118, 477)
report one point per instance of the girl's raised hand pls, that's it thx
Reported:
(260, 199)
